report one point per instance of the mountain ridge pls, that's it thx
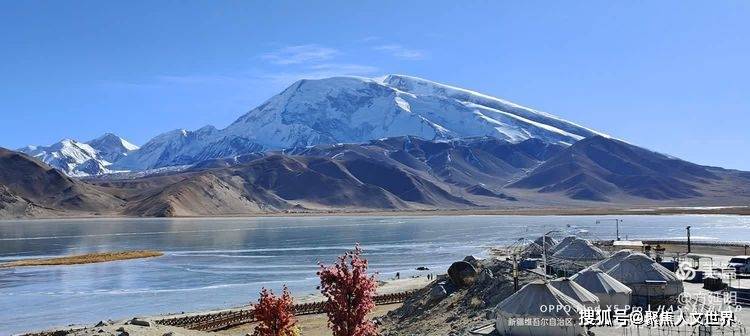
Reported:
(392, 143)
(598, 167)
(75, 158)
(392, 174)
(356, 110)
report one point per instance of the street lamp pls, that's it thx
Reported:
(688, 238)
(617, 225)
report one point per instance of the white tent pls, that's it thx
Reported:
(532, 301)
(563, 243)
(533, 250)
(646, 277)
(581, 250)
(611, 293)
(576, 291)
(547, 242)
(607, 264)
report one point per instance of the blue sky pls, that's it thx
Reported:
(672, 76)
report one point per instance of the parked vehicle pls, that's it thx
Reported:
(741, 264)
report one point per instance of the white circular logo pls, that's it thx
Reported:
(684, 272)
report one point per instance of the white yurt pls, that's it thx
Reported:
(547, 242)
(576, 291)
(531, 302)
(581, 251)
(563, 243)
(611, 293)
(532, 250)
(648, 279)
(607, 264)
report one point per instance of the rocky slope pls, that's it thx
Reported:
(605, 169)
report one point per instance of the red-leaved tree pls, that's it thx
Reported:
(349, 292)
(275, 314)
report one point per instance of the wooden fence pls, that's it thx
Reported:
(228, 319)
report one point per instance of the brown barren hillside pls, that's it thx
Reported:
(28, 186)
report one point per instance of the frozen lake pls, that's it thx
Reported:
(222, 262)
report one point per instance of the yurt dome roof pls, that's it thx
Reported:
(528, 301)
(639, 268)
(613, 260)
(575, 291)
(582, 250)
(596, 281)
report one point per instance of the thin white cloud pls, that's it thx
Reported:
(318, 71)
(300, 54)
(370, 39)
(400, 51)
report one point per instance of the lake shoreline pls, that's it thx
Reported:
(666, 210)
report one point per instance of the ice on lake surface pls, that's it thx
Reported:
(222, 262)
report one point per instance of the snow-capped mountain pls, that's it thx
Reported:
(76, 158)
(111, 147)
(183, 147)
(352, 110)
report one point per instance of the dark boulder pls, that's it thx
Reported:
(462, 274)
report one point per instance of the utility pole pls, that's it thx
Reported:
(515, 273)
(688, 238)
(617, 224)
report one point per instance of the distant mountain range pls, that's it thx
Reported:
(329, 111)
(393, 143)
(82, 159)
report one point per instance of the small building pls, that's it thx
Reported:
(631, 244)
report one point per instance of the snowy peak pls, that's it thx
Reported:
(355, 109)
(76, 158)
(182, 147)
(111, 147)
(110, 139)
(66, 155)
(421, 86)
(346, 110)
